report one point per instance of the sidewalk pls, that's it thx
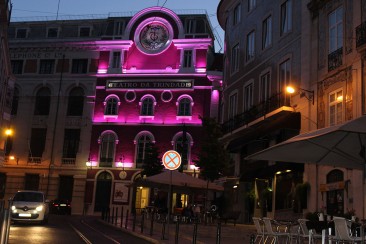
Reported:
(206, 234)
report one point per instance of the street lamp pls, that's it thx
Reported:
(89, 164)
(303, 92)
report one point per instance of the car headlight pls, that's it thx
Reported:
(13, 209)
(39, 208)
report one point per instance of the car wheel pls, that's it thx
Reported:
(45, 220)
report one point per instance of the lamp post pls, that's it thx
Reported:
(303, 92)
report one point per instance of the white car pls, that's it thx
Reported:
(30, 206)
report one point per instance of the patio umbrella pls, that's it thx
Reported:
(342, 145)
(181, 179)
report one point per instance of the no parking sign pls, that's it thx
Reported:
(171, 160)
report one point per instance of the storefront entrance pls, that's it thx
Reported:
(103, 191)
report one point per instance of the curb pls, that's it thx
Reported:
(146, 238)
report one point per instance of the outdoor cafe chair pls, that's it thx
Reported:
(304, 232)
(343, 231)
(274, 231)
(261, 234)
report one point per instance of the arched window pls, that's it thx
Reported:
(15, 103)
(143, 142)
(147, 106)
(182, 144)
(111, 106)
(335, 195)
(184, 107)
(43, 100)
(107, 149)
(75, 103)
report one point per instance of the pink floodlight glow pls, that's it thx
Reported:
(200, 70)
(215, 95)
(123, 165)
(102, 71)
(157, 120)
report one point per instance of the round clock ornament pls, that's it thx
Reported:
(154, 35)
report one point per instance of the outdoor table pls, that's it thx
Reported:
(320, 226)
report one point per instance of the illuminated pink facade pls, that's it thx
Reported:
(152, 86)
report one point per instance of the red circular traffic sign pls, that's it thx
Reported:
(171, 160)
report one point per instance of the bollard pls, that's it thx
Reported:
(134, 222)
(252, 238)
(163, 231)
(108, 214)
(142, 222)
(195, 231)
(126, 219)
(116, 217)
(122, 217)
(218, 233)
(112, 217)
(152, 223)
(177, 230)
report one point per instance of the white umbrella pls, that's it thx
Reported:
(342, 145)
(177, 178)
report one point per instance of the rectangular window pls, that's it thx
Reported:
(233, 104)
(237, 13)
(335, 19)
(286, 17)
(79, 66)
(116, 60)
(21, 33)
(187, 59)
(190, 26)
(71, 143)
(46, 66)
(119, 28)
(251, 4)
(37, 142)
(336, 107)
(84, 31)
(250, 46)
(267, 32)
(17, 66)
(284, 80)
(264, 87)
(235, 58)
(52, 32)
(248, 97)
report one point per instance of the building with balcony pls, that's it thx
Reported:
(317, 47)
(263, 56)
(6, 89)
(95, 93)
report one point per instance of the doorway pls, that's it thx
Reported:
(103, 191)
(65, 187)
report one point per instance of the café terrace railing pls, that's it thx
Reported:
(257, 111)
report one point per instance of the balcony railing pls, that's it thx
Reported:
(361, 35)
(255, 112)
(34, 160)
(335, 59)
(68, 161)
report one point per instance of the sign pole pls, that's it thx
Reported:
(169, 201)
(171, 161)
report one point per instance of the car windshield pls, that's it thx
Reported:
(28, 197)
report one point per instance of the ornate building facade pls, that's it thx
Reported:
(93, 94)
(317, 47)
(6, 89)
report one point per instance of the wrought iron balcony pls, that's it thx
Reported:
(335, 59)
(361, 35)
(257, 111)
